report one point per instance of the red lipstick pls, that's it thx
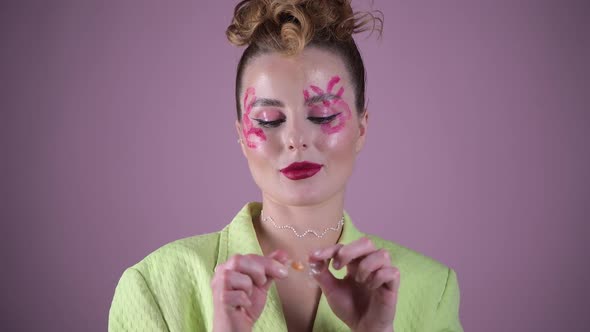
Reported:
(301, 170)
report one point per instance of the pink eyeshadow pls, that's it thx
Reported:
(267, 114)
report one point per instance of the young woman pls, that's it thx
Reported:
(294, 261)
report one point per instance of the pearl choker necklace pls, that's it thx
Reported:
(270, 220)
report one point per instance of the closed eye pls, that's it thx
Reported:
(322, 120)
(269, 124)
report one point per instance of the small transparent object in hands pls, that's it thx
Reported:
(308, 269)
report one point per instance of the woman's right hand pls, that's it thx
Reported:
(240, 286)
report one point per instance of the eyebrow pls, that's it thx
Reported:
(321, 98)
(261, 102)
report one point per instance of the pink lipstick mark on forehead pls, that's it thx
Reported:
(247, 126)
(316, 89)
(336, 105)
(333, 82)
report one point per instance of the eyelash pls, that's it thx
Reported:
(270, 124)
(316, 120)
(327, 119)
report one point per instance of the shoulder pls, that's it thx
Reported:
(421, 277)
(177, 266)
(429, 293)
(407, 257)
(167, 286)
(197, 252)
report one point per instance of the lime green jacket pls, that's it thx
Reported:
(169, 290)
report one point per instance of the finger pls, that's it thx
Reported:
(352, 267)
(273, 265)
(259, 268)
(351, 251)
(389, 277)
(316, 266)
(247, 265)
(280, 256)
(235, 299)
(234, 280)
(327, 282)
(371, 263)
(326, 253)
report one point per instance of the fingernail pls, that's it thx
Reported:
(316, 267)
(282, 272)
(336, 264)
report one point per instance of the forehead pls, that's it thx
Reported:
(277, 74)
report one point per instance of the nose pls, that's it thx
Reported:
(297, 143)
(296, 138)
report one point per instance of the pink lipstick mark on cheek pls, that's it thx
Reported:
(247, 127)
(341, 119)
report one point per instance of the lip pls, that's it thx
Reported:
(301, 170)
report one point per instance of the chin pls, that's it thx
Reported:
(302, 197)
(296, 193)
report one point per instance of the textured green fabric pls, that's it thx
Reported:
(169, 290)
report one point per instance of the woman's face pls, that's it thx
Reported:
(299, 128)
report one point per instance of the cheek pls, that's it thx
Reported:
(340, 154)
(340, 143)
(339, 135)
(264, 153)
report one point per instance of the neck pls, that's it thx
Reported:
(310, 217)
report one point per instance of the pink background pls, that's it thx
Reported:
(117, 119)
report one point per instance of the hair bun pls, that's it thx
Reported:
(288, 25)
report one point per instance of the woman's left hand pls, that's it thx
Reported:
(365, 299)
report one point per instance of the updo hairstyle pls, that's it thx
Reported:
(289, 26)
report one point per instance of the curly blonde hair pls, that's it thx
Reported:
(288, 26)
